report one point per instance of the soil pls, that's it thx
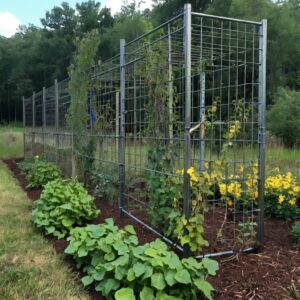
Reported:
(269, 274)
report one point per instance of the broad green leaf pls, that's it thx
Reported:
(147, 293)
(109, 256)
(82, 252)
(67, 222)
(99, 275)
(183, 276)
(148, 272)
(87, 280)
(211, 265)
(130, 275)
(50, 229)
(130, 229)
(121, 261)
(70, 249)
(204, 286)
(158, 281)
(139, 269)
(111, 284)
(169, 277)
(125, 294)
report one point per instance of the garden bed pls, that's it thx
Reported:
(268, 274)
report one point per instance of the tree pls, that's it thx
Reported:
(283, 117)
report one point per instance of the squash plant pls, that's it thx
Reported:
(42, 172)
(63, 204)
(121, 270)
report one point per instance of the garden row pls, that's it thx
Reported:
(111, 257)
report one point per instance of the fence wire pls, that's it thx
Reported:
(186, 98)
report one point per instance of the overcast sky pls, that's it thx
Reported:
(16, 12)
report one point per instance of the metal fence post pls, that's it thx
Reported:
(187, 137)
(262, 126)
(24, 127)
(170, 78)
(44, 122)
(202, 119)
(122, 128)
(56, 120)
(33, 125)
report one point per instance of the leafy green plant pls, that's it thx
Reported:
(27, 165)
(63, 204)
(120, 269)
(41, 173)
(160, 189)
(296, 233)
(106, 182)
(246, 232)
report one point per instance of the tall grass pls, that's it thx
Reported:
(11, 142)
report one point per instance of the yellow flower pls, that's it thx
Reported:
(222, 187)
(281, 199)
(206, 165)
(36, 157)
(229, 202)
(292, 202)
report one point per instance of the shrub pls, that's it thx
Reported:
(283, 117)
(63, 204)
(123, 271)
(296, 233)
(106, 182)
(27, 165)
(282, 195)
(41, 173)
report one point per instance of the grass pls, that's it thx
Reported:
(11, 142)
(29, 266)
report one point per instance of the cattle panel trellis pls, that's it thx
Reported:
(178, 119)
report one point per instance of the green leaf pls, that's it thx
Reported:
(147, 293)
(109, 256)
(130, 275)
(99, 275)
(71, 249)
(170, 277)
(204, 286)
(125, 294)
(111, 284)
(139, 269)
(211, 265)
(130, 229)
(87, 280)
(183, 276)
(158, 281)
(50, 229)
(82, 252)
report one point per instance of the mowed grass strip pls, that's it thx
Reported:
(11, 142)
(29, 266)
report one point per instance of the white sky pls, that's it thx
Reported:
(8, 24)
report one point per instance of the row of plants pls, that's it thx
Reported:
(111, 257)
(235, 184)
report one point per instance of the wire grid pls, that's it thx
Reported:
(144, 126)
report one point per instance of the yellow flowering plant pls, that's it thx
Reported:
(282, 194)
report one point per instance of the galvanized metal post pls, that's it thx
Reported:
(33, 125)
(170, 77)
(122, 128)
(117, 119)
(24, 127)
(202, 120)
(262, 126)
(44, 122)
(56, 120)
(187, 137)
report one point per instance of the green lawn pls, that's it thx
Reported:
(11, 142)
(29, 266)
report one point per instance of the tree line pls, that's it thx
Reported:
(36, 55)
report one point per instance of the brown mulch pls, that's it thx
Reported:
(265, 275)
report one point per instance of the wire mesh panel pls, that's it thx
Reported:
(49, 119)
(63, 132)
(28, 129)
(192, 124)
(173, 127)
